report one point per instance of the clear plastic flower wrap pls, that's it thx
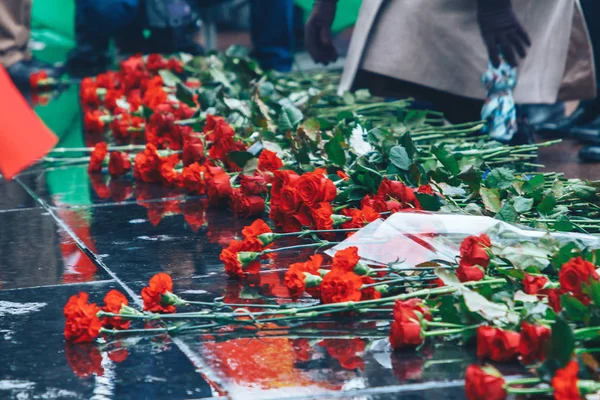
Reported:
(412, 239)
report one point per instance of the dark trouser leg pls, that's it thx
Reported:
(273, 33)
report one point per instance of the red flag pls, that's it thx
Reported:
(23, 136)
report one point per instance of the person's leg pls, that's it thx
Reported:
(96, 23)
(15, 29)
(273, 33)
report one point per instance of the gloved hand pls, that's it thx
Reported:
(317, 33)
(501, 31)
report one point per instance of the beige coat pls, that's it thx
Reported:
(436, 43)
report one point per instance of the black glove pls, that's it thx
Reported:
(317, 33)
(501, 31)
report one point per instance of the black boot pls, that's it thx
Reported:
(87, 61)
(588, 133)
(585, 113)
(590, 154)
(20, 71)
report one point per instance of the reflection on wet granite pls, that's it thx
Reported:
(37, 363)
(13, 196)
(34, 251)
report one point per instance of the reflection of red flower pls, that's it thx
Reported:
(36, 79)
(345, 351)
(112, 304)
(302, 349)
(194, 213)
(118, 355)
(99, 186)
(158, 286)
(483, 384)
(497, 344)
(120, 190)
(84, 359)
(82, 324)
(97, 157)
(407, 367)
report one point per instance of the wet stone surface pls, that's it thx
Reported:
(71, 232)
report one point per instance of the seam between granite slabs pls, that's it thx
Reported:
(59, 285)
(196, 361)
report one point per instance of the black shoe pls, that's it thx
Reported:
(538, 114)
(589, 133)
(590, 154)
(582, 115)
(86, 60)
(20, 72)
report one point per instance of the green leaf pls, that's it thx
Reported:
(491, 199)
(522, 204)
(238, 105)
(169, 78)
(399, 157)
(500, 178)
(507, 213)
(574, 308)
(447, 159)
(563, 224)
(185, 94)
(429, 202)
(349, 98)
(593, 291)
(312, 128)
(547, 204)
(471, 175)
(562, 342)
(289, 117)
(240, 158)
(534, 183)
(406, 141)
(250, 167)
(525, 255)
(565, 253)
(335, 152)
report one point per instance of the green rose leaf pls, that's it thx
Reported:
(522, 204)
(400, 158)
(289, 117)
(500, 178)
(335, 152)
(491, 199)
(507, 213)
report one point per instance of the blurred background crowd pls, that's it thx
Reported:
(433, 51)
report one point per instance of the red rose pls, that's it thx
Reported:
(497, 344)
(193, 149)
(468, 273)
(193, 180)
(153, 295)
(343, 175)
(405, 310)
(280, 180)
(147, 165)
(112, 304)
(246, 206)
(397, 190)
(534, 343)
(97, 157)
(345, 260)
(290, 200)
(82, 324)
(484, 384)
(426, 189)
(340, 287)
(534, 284)
(253, 185)
(554, 298)
(218, 187)
(314, 188)
(405, 335)
(321, 214)
(473, 250)
(268, 161)
(377, 203)
(564, 382)
(573, 273)
(118, 164)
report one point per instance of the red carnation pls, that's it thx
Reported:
(340, 287)
(159, 286)
(97, 157)
(93, 122)
(112, 304)
(82, 324)
(345, 260)
(118, 164)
